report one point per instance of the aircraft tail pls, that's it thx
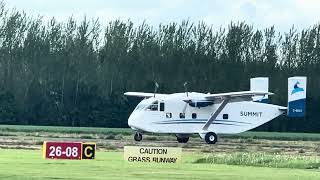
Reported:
(297, 88)
(260, 84)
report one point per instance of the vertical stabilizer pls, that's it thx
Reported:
(260, 84)
(297, 90)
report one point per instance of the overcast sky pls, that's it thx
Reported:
(260, 13)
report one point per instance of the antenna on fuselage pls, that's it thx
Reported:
(186, 87)
(156, 86)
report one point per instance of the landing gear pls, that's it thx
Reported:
(211, 138)
(183, 140)
(137, 136)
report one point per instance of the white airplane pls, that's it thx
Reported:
(188, 113)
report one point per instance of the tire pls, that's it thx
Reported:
(183, 140)
(211, 138)
(137, 136)
(180, 140)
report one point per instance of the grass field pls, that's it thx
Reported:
(127, 131)
(28, 164)
(60, 129)
(250, 155)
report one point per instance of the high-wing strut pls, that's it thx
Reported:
(216, 113)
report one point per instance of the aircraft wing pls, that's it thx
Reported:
(226, 98)
(142, 94)
(243, 94)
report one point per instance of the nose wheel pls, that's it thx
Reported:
(137, 136)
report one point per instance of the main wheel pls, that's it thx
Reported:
(179, 140)
(183, 140)
(137, 136)
(211, 138)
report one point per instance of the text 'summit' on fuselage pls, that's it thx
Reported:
(250, 114)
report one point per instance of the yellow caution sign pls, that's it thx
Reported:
(152, 154)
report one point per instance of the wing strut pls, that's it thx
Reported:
(216, 113)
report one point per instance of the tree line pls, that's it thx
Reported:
(75, 73)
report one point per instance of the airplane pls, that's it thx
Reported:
(187, 113)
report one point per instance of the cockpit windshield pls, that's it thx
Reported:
(153, 106)
(140, 107)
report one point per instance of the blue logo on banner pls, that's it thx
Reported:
(296, 88)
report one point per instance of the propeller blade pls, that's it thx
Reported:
(185, 108)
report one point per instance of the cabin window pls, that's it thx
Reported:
(162, 106)
(153, 106)
(194, 115)
(168, 115)
(225, 116)
(182, 115)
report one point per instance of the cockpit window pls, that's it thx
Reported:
(153, 106)
(161, 106)
(140, 107)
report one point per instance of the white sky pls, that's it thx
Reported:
(259, 13)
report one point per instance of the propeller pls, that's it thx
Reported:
(185, 108)
(186, 87)
(156, 86)
(185, 84)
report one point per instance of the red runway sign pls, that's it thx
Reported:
(69, 150)
(62, 150)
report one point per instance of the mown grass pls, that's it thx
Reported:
(27, 164)
(59, 129)
(286, 136)
(263, 160)
(112, 132)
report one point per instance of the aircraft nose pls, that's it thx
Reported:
(130, 120)
(133, 120)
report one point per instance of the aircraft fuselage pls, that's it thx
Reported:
(173, 115)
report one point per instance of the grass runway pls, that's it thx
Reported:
(245, 156)
(28, 164)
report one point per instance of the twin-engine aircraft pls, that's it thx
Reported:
(188, 113)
